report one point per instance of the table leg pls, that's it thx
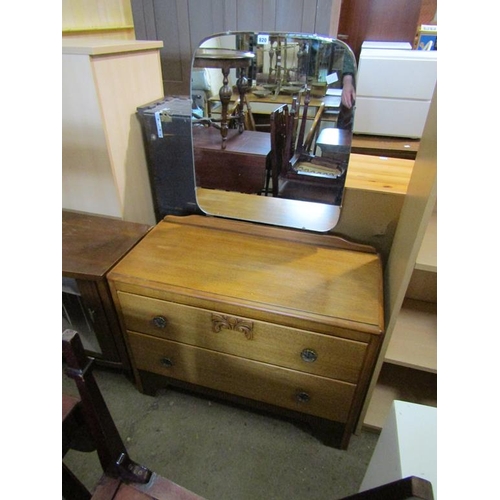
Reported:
(225, 94)
(242, 84)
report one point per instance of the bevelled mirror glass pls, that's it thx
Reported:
(271, 130)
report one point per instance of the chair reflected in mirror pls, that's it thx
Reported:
(296, 173)
(303, 147)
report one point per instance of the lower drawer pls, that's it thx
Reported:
(298, 391)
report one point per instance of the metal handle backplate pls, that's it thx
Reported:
(160, 321)
(167, 362)
(303, 397)
(309, 355)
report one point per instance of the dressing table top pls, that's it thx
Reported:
(317, 278)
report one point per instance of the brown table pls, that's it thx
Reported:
(240, 167)
(225, 59)
(91, 246)
(393, 147)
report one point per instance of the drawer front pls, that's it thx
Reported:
(309, 352)
(311, 394)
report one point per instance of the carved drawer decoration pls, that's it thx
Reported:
(220, 321)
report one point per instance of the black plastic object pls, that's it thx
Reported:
(166, 128)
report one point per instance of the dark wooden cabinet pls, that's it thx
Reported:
(91, 246)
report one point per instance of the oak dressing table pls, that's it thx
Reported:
(277, 319)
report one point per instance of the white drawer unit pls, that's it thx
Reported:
(394, 90)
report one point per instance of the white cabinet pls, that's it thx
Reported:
(104, 168)
(407, 447)
(394, 90)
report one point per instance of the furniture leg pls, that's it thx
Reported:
(242, 84)
(72, 487)
(225, 94)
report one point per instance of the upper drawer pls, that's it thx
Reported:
(288, 347)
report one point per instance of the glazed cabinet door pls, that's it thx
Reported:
(88, 309)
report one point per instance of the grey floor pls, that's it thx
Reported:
(222, 452)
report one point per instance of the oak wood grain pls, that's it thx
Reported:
(336, 357)
(230, 307)
(92, 244)
(299, 279)
(261, 381)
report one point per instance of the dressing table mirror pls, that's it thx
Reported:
(271, 141)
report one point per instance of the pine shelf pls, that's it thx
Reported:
(427, 256)
(403, 384)
(414, 340)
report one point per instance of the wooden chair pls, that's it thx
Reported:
(279, 156)
(303, 146)
(298, 145)
(123, 479)
(73, 428)
(313, 133)
(408, 488)
(292, 128)
(295, 174)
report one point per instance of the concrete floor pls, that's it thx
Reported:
(222, 452)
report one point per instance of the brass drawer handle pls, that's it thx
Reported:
(166, 362)
(160, 321)
(303, 397)
(220, 321)
(309, 355)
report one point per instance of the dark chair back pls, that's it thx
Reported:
(279, 155)
(305, 142)
(293, 124)
(303, 123)
(123, 479)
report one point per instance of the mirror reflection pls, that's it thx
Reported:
(272, 127)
